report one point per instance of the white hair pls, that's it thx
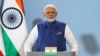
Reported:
(49, 5)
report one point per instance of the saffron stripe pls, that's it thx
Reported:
(21, 5)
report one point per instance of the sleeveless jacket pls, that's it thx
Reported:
(51, 35)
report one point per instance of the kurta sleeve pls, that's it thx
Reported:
(32, 38)
(70, 39)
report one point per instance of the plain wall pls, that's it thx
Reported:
(83, 17)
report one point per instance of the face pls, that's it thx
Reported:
(50, 14)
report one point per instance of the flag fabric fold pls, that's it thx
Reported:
(13, 26)
(2, 51)
(1, 54)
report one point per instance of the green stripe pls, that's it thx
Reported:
(50, 53)
(9, 47)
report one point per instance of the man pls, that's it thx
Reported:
(51, 33)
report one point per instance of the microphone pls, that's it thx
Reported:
(46, 27)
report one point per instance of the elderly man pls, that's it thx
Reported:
(51, 33)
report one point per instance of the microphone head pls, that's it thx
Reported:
(46, 27)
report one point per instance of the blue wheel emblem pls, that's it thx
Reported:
(11, 18)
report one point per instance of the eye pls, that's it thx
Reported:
(48, 13)
(53, 12)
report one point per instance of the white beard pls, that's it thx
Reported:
(51, 19)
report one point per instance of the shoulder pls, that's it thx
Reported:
(61, 23)
(41, 24)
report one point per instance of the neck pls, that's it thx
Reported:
(51, 22)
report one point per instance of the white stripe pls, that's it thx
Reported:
(50, 50)
(19, 35)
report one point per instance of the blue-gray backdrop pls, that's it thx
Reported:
(83, 17)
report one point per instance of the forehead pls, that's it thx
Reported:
(50, 9)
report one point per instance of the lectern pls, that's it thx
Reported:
(51, 51)
(43, 54)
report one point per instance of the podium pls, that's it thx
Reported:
(43, 54)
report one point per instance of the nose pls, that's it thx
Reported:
(50, 13)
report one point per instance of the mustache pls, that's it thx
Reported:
(51, 17)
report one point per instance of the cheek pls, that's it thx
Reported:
(46, 16)
(55, 15)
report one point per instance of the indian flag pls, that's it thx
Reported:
(50, 51)
(13, 26)
(2, 51)
(1, 54)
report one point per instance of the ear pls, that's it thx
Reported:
(56, 13)
(44, 14)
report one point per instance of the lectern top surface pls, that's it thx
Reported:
(43, 53)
